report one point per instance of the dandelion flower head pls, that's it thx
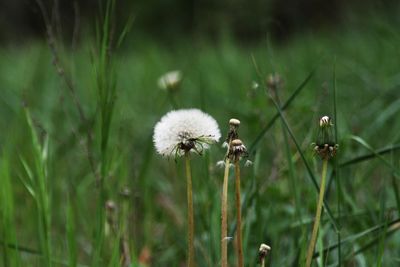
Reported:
(183, 130)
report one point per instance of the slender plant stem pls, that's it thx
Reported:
(190, 211)
(238, 216)
(224, 216)
(263, 262)
(314, 234)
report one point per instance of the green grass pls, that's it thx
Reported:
(49, 202)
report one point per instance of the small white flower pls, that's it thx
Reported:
(180, 131)
(170, 80)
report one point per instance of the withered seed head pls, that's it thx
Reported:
(237, 142)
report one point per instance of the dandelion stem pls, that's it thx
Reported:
(263, 262)
(238, 216)
(224, 216)
(314, 234)
(190, 211)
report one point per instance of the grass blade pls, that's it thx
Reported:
(276, 116)
(361, 234)
(369, 156)
(336, 166)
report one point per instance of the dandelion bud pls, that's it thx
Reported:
(234, 122)
(263, 251)
(125, 192)
(170, 80)
(274, 81)
(325, 121)
(254, 85)
(233, 126)
(110, 224)
(110, 205)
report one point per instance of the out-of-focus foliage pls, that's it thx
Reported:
(164, 19)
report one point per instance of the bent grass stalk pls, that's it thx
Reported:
(190, 210)
(224, 216)
(238, 216)
(314, 234)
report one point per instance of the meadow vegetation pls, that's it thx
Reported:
(65, 153)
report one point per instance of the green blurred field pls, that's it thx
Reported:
(218, 79)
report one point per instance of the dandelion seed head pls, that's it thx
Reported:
(170, 80)
(183, 130)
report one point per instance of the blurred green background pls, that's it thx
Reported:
(219, 47)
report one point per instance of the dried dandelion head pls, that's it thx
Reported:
(274, 81)
(233, 128)
(181, 131)
(325, 146)
(237, 150)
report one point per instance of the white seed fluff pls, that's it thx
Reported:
(179, 127)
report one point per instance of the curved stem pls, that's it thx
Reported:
(224, 216)
(314, 234)
(190, 211)
(238, 216)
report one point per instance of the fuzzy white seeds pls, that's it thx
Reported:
(170, 80)
(324, 121)
(183, 130)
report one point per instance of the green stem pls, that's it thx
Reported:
(224, 216)
(314, 234)
(190, 211)
(238, 216)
